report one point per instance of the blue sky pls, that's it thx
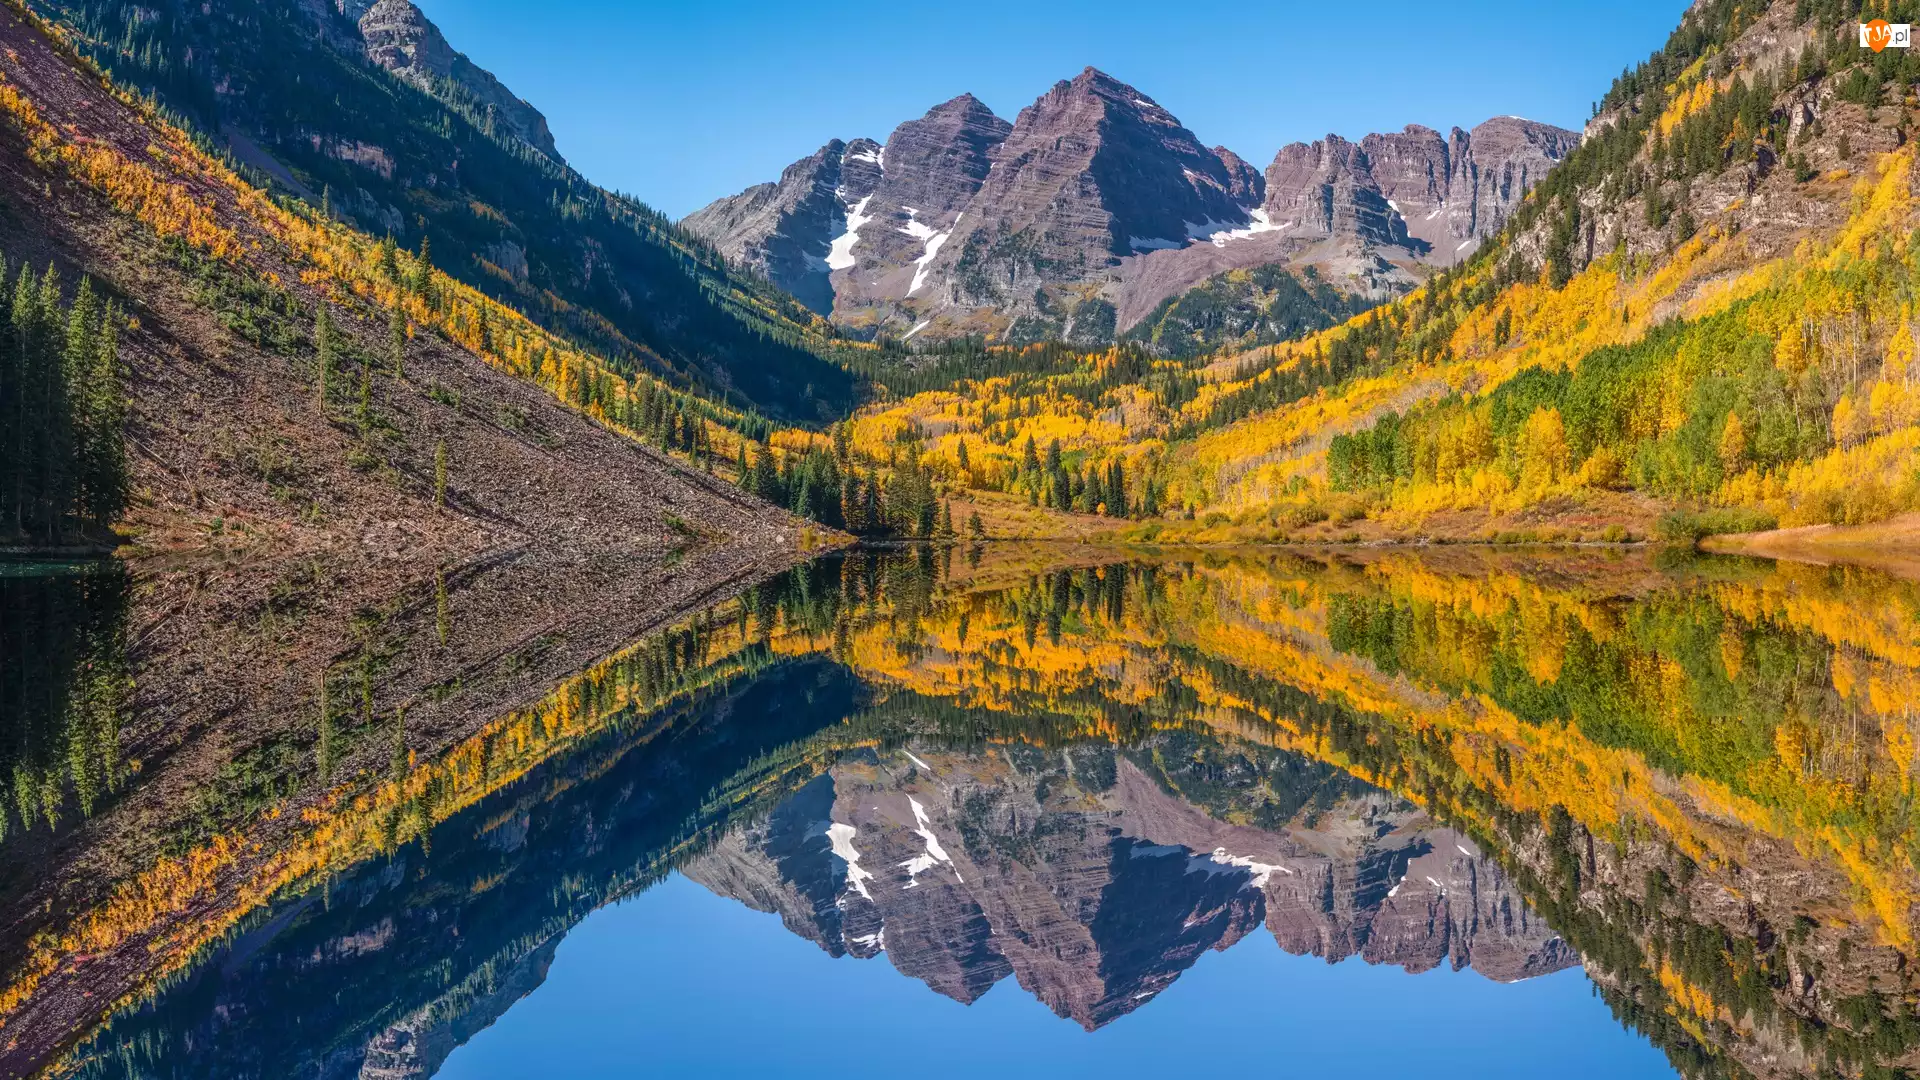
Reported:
(679, 982)
(683, 102)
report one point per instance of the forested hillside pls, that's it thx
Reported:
(284, 378)
(1702, 318)
(289, 91)
(1700, 321)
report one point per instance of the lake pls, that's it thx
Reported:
(1032, 811)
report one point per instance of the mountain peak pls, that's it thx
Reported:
(959, 104)
(399, 37)
(1095, 186)
(1093, 80)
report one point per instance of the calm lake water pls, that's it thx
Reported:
(1463, 811)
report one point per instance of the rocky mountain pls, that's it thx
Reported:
(1413, 188)
(1096, 207)
(400, 38)
(1083, 877)
(771, 226)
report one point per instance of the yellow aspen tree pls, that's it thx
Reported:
(1850, 423)
(1733, 445)
(1543, 449)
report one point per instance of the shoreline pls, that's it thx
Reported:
(1892, 546)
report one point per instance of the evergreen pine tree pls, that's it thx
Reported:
(389, 259)
(423, 273)
(54, 451)
(107, 407)
(78, 363)
(850, 504)
(25, 334)
(766, 481)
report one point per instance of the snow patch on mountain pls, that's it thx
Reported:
(840, 252)
(934, 241)
(1213, 233)
(916, 228)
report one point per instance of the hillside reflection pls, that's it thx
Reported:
(1693, 776)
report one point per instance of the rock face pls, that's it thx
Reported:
(1092, 171)
(1096, 895)
(1323, 190)
(788, 230)
(1495, 165)
(400, 38)
(853, 223)
(1438, 197)
(932, 169)
(1079, 219)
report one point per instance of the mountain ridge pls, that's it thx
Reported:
(1095, 206)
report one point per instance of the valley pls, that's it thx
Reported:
(1032, 555)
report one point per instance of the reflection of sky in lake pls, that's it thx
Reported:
(680, 982)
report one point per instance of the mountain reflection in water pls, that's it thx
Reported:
(1691, 776)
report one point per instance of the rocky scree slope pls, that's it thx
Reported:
(226, 421)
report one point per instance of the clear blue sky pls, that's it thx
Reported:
(683, 101)
(679, 982)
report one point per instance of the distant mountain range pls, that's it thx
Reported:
(1084, 217)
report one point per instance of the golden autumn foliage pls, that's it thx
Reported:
(1655, 752)
(181, 192)
(1837, 335)
(180, 904)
